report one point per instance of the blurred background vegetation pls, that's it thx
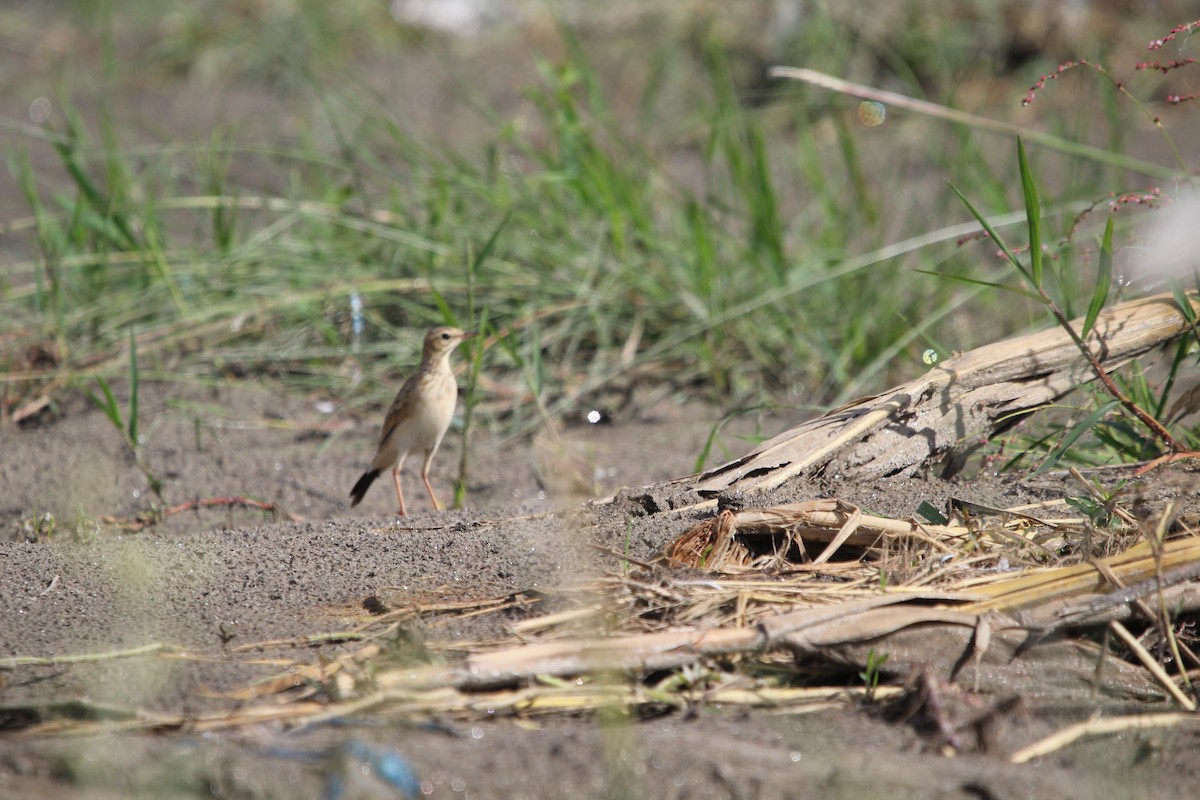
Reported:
(615, 193)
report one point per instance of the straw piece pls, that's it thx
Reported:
(847, 530)
(1148, 661)
(12, 662)
(1100, 727)
(1038, 587)
(547, 621)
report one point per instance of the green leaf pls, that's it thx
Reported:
(989, 284)
(930, 514)
(1096, 513)
(1078, 430)
(1103, 280)
(1033, 213)
(995, 237)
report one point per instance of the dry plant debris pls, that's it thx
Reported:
(793, 636)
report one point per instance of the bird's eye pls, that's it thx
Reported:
(445, 337)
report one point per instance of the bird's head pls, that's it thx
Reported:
(441, 341)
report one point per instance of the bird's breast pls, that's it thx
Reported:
(430, 415)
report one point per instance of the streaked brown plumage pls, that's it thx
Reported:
(418, 417)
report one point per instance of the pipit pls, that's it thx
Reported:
(419, 416)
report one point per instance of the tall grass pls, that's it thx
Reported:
(747, 252)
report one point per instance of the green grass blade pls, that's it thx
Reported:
(157, 256)
(491, 242)
(1079, 429)
(108, 405)
(1033, 212)
(706, 450)
(537, 375)
(715, 430)
(1182, 348)
(1024, 452)
(995, 237)
(133, 390)
(1185, 305)
(475, 354)
(440, 301)
(988, 284)
(68, 152)
(1103, 279)
(762, 202)
(863, 193)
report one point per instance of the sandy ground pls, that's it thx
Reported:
(210, 582)
(206, 582)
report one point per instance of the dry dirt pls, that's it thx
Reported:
(208, 581)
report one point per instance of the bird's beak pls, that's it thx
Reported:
(469, 334)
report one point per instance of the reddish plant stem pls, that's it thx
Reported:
(198, 503)
(209, 502)
(1150, 422)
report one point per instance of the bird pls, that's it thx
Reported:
(418, 417)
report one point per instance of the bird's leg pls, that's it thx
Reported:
(425, 477)
(432, 496)
(399, 493)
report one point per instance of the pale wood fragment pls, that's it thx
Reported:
(951, 408)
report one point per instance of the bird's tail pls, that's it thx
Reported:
(360, 489)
